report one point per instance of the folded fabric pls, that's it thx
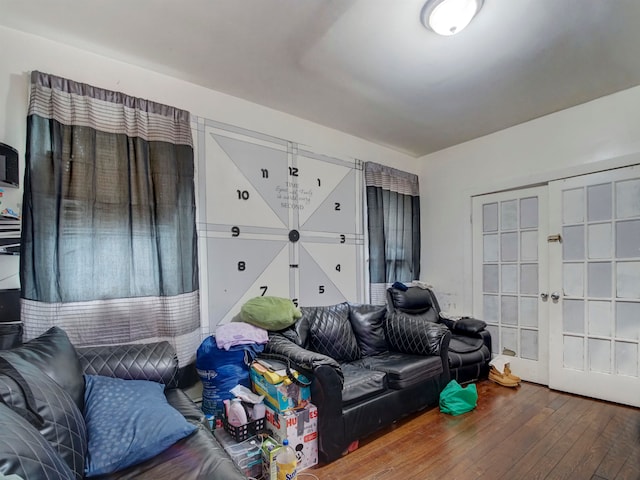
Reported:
(400, 286)
(239, 333)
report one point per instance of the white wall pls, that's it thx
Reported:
(21, 53)
(601, 134)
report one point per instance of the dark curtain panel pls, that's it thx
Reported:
(393, 211)
(109, 246)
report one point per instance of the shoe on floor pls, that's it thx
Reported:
(501, 379)
(508, 373)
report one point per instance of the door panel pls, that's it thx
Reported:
(510, 270)
(594, 325)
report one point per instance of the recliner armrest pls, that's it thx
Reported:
(464, 325)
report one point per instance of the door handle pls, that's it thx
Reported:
(544, 296)
(555, 296)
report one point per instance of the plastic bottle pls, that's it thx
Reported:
(237, 415)
(286, 463)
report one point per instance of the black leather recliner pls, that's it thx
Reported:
(470, 346)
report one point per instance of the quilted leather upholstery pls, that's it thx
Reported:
(64, 426)
(301, 358)
(156, 362)
(24, 452)
(470, 346)
(331, 333)
(53, 354)
(35, 455)
(408, 334)
(355, 398)
(368, 325)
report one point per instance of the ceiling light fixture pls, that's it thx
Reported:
(448, 17)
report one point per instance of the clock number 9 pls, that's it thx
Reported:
(235, 231)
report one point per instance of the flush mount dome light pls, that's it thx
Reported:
(448, 17)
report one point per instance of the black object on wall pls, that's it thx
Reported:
(8, 165)
(10, 325)
(10, 305)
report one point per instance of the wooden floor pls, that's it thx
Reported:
(526, 433)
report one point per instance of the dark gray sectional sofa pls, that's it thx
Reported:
(51, 396)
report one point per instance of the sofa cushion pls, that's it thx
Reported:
(403, 370)
(24, 452)
(128, 421)
(361, 383)
(330, 332)
(367, 322)
(63, 426)
(53, 354)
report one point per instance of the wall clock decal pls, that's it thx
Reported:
(274, 219)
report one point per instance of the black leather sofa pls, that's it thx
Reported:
(470, 346)
(27, 451)
(367, 369)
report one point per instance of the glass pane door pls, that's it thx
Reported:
(509, 273)
(595, 272)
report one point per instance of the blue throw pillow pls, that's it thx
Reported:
(128, 422)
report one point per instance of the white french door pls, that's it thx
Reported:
(510, 272)
(557, 279)
(595, 283)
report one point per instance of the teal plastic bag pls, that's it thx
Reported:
(456, 400)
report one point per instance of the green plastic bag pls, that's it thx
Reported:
(456, 400)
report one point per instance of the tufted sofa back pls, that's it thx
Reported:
(345, 332)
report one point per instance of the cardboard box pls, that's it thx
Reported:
(270, 448)
(281, 397)
(300, 427)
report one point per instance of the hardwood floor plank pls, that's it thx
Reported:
(584, 456)
(558, 424)
(530, 433)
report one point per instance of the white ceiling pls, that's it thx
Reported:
(366, 67)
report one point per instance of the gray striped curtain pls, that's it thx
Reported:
(393, 212)
(109, 247)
